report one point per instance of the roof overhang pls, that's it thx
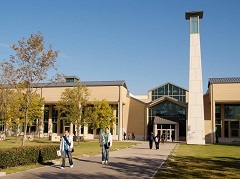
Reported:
(159, 120)
(166, 98)
(193, 14)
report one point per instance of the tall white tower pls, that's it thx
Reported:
(195, 121)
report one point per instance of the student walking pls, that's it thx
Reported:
(157, 139)
(105, 143)
(66, 147)
(151, 138)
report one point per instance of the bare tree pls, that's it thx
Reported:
(30, 66)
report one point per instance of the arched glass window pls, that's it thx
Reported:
(169, 90)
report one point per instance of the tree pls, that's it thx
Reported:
(29, 66)
(100, 115)
(14, 113)
(7, 76)
(71, 105)
(36, 110)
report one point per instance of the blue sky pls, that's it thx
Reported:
(144, 42)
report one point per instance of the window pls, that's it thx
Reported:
(54, 118)
(32, 128)
(82, 129)
(61, 126)
(45, 125)
(169, 90)
(98, 131)
(218, 120)
(116, 119)
(226, 133)
(54, 125)
(232, 111)
(90, 128)
(69, 80)
(46, 117)
(234, 128)
(193, 25)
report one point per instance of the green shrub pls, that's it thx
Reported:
(27, 155)
(48, 153)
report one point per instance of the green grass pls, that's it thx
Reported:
(203, 161)
(86, 147)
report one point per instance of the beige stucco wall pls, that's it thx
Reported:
(111, 93)
(136, 118)
(208, 131)
(226, 92)
(207, 107)
(187, 96)
(51, 95)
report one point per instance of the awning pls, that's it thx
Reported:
(159, 120)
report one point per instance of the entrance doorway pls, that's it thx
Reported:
(168, 133)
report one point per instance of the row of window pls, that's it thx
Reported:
(169, 90)
(231, 125)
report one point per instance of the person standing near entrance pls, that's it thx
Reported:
(66, 146)
(172, 137)
(157, 140)
(163, 138)
(151, 138)
(105, 143)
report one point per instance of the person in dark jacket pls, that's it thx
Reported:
(151, 138)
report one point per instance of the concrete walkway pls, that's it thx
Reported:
(137, 161)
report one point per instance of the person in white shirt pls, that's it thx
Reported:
(105, 143)
(157, 140)
(66, 149)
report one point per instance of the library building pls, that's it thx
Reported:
(163, 110)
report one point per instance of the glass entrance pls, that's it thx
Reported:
(168, 133)
(167, 130)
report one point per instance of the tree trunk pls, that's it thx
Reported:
(41, 125)
(78, 133)
(17, 132)
(41, 131)
(25, 127)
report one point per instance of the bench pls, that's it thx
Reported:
(235, 141)
(30, 137)
(2, 136)
(54, 138)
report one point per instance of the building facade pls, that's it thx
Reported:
(163, 110)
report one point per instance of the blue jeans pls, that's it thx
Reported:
(105, 153)
(69, 154)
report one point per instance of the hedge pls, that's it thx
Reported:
(27, 155)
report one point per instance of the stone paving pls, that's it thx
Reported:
(136, 161)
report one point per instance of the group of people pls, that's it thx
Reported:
(66, 147)
(129, 136)
(156, 139)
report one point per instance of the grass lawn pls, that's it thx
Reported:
(84, 148)
(203, 161)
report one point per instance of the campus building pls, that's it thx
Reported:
(163, 109)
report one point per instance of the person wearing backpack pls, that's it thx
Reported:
(105, 143)
(66, 148)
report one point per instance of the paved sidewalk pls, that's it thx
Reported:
(137, 161)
